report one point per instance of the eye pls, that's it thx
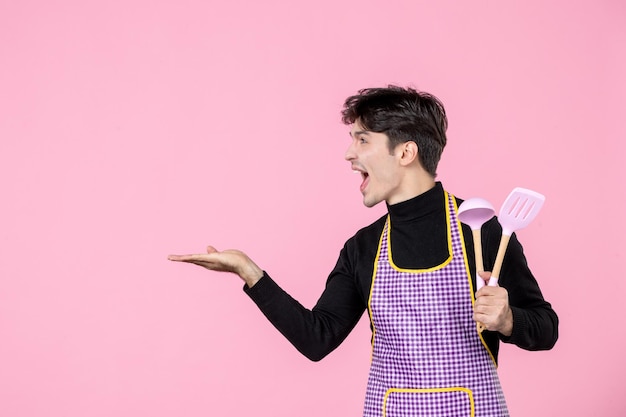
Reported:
(362, 139)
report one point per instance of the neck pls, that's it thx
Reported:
(424, 186)
(416, 184)
(422, 205)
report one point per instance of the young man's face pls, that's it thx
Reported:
(370, 156)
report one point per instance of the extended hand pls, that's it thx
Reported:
(230, 260)
(492, 308)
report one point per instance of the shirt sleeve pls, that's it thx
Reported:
(318, 331)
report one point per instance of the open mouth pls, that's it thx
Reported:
(364, 175)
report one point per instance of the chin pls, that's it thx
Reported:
(369, 203)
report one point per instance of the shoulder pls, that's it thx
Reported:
(365, 240)
(369, 231)
(356, 258)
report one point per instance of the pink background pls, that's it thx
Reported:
(134, 129)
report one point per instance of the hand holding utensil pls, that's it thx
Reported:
(518, 210)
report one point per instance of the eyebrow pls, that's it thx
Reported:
(360, 132)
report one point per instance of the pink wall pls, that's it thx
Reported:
(133, 129)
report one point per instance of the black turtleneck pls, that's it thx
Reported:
(418, 240)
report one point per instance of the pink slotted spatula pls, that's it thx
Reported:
(518, 210)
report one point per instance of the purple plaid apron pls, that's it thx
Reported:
(428, 359)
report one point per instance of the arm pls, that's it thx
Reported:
(316, 332)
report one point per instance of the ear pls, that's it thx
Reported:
(409, 153)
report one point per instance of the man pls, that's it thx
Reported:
(412, 271)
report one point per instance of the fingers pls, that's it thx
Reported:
(482, 279)
(193, 257)
(201, 259)
(485, 275)
(484, 318)
(500, 321)
(492, 309)
(492, 296)
(230, 260)
(187, 258)
(492, 291)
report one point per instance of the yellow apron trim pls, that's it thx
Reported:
(434, 268)
(427, 391)
(369, 299)
(469, 278)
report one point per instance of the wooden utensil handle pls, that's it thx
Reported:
(497, 266)
(478, 251)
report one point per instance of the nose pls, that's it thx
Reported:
(350, 154)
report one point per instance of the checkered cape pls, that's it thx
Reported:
(428, 359)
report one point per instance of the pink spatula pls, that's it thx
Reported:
(518, 210)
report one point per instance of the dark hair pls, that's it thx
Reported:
(403, 114)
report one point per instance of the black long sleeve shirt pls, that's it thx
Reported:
(419, 241)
